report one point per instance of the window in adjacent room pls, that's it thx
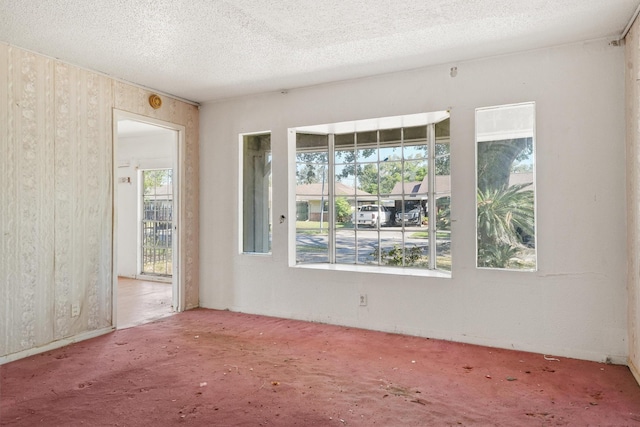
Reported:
(375, 192)
(256, 193)
(506, 198)
(157, 222)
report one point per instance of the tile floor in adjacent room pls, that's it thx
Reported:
(141, 301)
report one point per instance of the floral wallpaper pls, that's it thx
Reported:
(56, 203)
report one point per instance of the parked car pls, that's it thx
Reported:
(411, 217)
(373, 215)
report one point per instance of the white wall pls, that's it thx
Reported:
(632, 47)
(135, 153)
(575, 305)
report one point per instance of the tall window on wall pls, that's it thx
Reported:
(256, 199)
(375, 192)
(505, 154)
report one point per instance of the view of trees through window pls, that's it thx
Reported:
(506, 187)
(375, 195)
(157, 222)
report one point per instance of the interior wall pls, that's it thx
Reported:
(632, 50)
(56, 170)
(135, 100)
(573, 306)
(135, 153)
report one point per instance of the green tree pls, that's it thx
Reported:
(155, 178)
(390, 173)
(496, 160)
(504, 216)
(368, 179)
(347, 158)
(505, 213)
(343, 210)
(395, 256)
(310, 173)
(443, 159)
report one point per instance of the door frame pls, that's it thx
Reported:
(177, 279)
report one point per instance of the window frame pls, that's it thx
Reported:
(534, 160)
(268, 218)
(377, 125)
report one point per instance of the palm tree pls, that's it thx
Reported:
(505, 215)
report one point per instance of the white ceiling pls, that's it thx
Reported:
(204, 50)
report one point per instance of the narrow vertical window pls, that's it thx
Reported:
(505, 155)
(256, 206)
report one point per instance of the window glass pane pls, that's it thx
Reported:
(312, 149)
(344, 212)
(367, 242)
(345, 246)
(443, 247)
(374, 216)
(391, 136)
(368, 178)
(345, 148)
(415, 176)
(389, 153)
(311, 142)
(312, 178)
(417, 133)
(443, 149)
(505, 187)
(443, 196)
(391, 249)
(312, 243)
(256, 180)
(345, 180)
(412, 213)
(380, 191)
(390, 177)
(157, 226)
(416, 150)
(416, 250)
(367, 143)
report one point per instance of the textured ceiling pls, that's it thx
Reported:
(205, 50)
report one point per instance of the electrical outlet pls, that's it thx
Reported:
(75, 310)
(363, 300)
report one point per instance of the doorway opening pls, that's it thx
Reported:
(147, 283)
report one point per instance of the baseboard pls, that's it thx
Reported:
(53, 345)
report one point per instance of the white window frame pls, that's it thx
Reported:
(422, 119)
(268, 216)
(512, 133)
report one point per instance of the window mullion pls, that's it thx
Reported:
(379, 201)
(431, 200)
(356, 201)
(402, 199)
(332, 201)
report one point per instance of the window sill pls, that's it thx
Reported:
(396, 271)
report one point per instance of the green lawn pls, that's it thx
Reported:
(440, 235)
(313, 227)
